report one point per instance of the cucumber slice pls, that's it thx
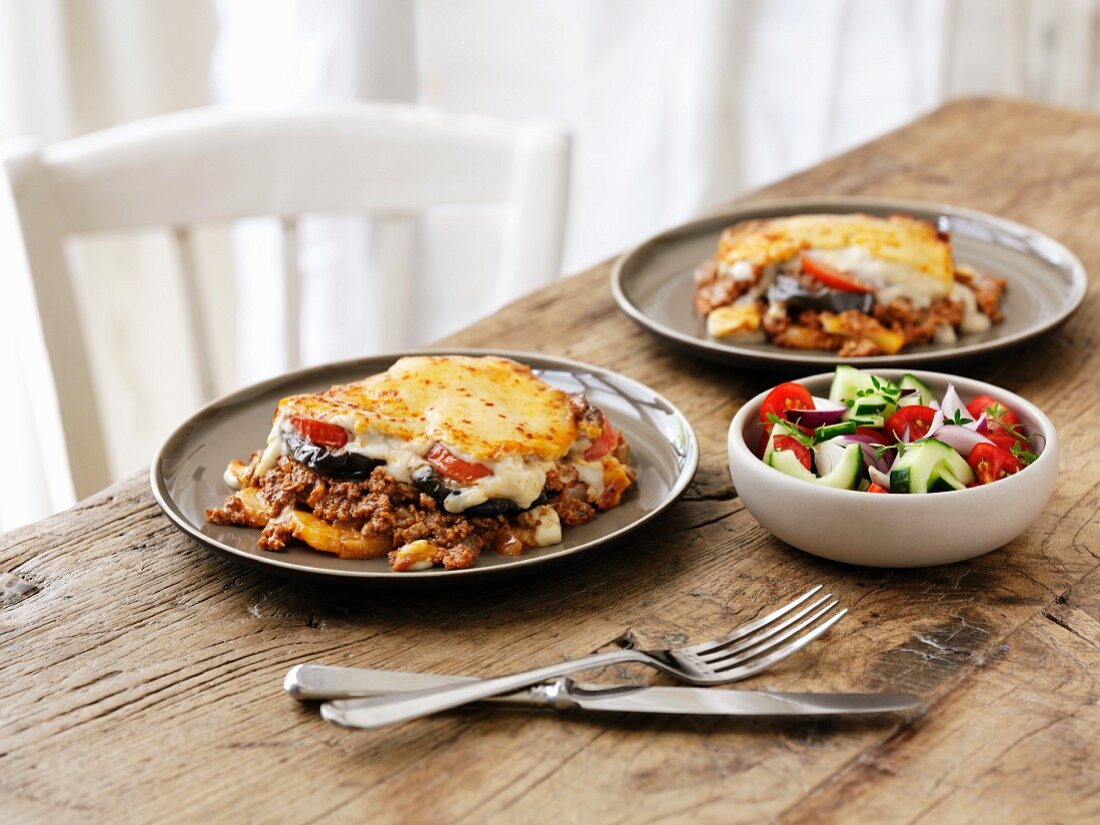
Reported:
(875, 408)
(871, 405)
(869, 398)
(845, 475)
(827, 431)
(929, 466)
(847, 382)
(787, 462)
(876, 421)
(945, 482)
(923, 394)
(779, 430)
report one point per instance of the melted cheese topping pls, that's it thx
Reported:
(890, 279)
(911, 246)
(482, 409)
(490, 411)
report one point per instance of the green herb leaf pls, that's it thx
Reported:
(1023, 454)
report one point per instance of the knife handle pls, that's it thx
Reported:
(314, 682)
(378, 711)
(323, 682)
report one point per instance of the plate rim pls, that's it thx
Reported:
(1078, 286)
(169, 507)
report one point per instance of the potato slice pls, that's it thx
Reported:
(339, 539)
(417, 555)
(887, 340)
(255, 511)
(726, 321)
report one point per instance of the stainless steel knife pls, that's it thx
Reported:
(305, 682)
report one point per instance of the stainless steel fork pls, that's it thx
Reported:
(749, 649)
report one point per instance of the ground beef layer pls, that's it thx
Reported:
(380, 515)
(852, 333)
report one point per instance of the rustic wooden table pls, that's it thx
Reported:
(141, 674)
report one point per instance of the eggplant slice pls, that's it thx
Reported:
(428, 482)
(354, 467)
(343, 465)
(805, 293)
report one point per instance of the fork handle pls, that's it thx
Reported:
(379, 711)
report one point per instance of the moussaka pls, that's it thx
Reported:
(854, 283)
(432, 462)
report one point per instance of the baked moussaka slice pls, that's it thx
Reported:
(429, 463)
(856, 283)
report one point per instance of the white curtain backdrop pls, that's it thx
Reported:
(672, 106)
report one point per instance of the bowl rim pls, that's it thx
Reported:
(738, 449)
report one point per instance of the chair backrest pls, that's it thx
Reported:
(219, 164)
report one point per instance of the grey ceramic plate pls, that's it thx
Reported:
(653, 283)
(186, 475)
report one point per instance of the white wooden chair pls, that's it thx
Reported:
(219, 165)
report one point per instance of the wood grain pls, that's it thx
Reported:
(139, 674)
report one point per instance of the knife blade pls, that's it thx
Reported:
(323, 682)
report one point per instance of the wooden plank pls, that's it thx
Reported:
(141, 679)
(1016, 742)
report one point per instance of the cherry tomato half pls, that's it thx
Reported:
(785, 442)
(320, 433)
(608, 441)
(916, 418)
(832, 278)
(998, 417)
(788, 396)
(991, 463)
(1005, 440)
(454, 467)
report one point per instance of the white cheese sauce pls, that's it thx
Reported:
(548, 529)
(591, 473)
(891, 280)
(514, 478)
(974, 320)
(743, 272)
(276, 447)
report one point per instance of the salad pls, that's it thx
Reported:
(878, 436)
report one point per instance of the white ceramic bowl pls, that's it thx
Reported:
(894, 530)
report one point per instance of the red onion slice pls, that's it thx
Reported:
(881, 478)
(824, 412)
(827, 455)
(953, 406)
(935, 426)
(825, 404)
(866, 439)
(962, 439)
(871, 458)
(979, 426)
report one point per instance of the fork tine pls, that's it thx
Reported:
(756, 624)
(730, 660)
(764, 662)
(724, 650)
